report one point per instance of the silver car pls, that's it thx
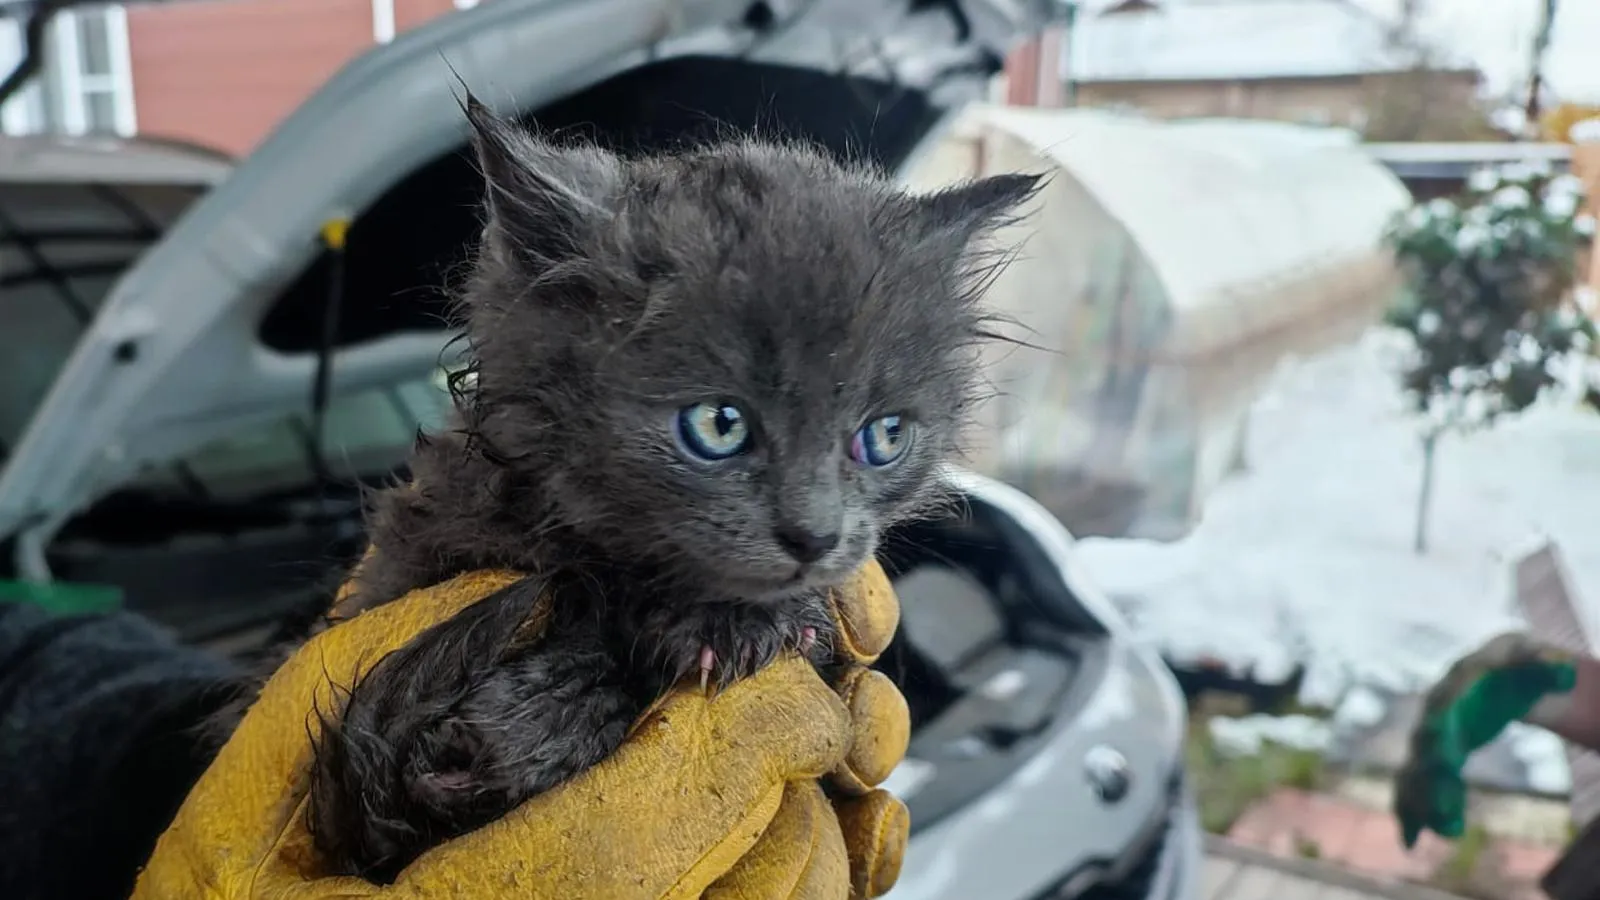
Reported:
(182, 451)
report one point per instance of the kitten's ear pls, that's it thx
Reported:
(542, 198)
(963, 212)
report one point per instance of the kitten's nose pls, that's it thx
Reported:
(805, 545)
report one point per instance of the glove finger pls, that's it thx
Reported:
(1514, 647)
(866, 614)
(1503, 651)
(1498, 651)
(875, 828)
(1429, 796)
(880, 731)
(800, 856)
(670, 812)
(1411, 807)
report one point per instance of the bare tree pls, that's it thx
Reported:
(1541, 43)
(1426, 97)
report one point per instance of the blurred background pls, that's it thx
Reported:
(1307, 306)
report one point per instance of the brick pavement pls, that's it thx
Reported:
(1292, 824)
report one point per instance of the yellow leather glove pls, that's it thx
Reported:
(718, 797)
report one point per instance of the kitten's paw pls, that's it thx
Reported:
(803, 645)
(718, 645)
(756, 653)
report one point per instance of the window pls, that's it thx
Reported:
(86, 85)
(94, 45)
(382, 21)
(94, 79)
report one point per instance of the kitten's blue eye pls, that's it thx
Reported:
(881, 441)
(713, 430)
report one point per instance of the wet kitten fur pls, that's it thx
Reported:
(606, 295)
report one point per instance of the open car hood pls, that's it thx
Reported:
(175, 358)
(75, 214)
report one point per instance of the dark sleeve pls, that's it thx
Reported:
(98, 747)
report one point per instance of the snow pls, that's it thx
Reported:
(1543, 754)
(1512, 196)
(1244, 736)
(1561, 205)
(1307, 558)
(1258, 39)
(1360, 709)
(1483, 180)
(1585, 132)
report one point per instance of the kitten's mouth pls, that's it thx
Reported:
(780, 585)
(809, 577)
(777, 583)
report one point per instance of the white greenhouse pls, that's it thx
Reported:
(1168, 268)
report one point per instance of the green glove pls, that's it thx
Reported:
(1484, 691)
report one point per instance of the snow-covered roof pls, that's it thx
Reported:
(1232, 39)
(1217, 206)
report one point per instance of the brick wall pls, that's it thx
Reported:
(1343, 101)
(1022, 74)
(224, 73)
(1032, 71)
(411, 13)
(1332, 101)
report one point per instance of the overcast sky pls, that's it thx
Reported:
(1498, 35)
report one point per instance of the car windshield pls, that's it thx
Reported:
(367, 435)
(62, 250)
(74, 214)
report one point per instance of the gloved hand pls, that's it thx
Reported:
(1482, 693)
(718, 796)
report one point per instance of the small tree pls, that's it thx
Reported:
(1490, 304)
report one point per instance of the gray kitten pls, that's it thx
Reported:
(703, 384)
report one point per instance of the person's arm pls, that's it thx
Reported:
(1574, 715)
(98, 746)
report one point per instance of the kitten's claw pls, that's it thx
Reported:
(808, 639)
(708, 661)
